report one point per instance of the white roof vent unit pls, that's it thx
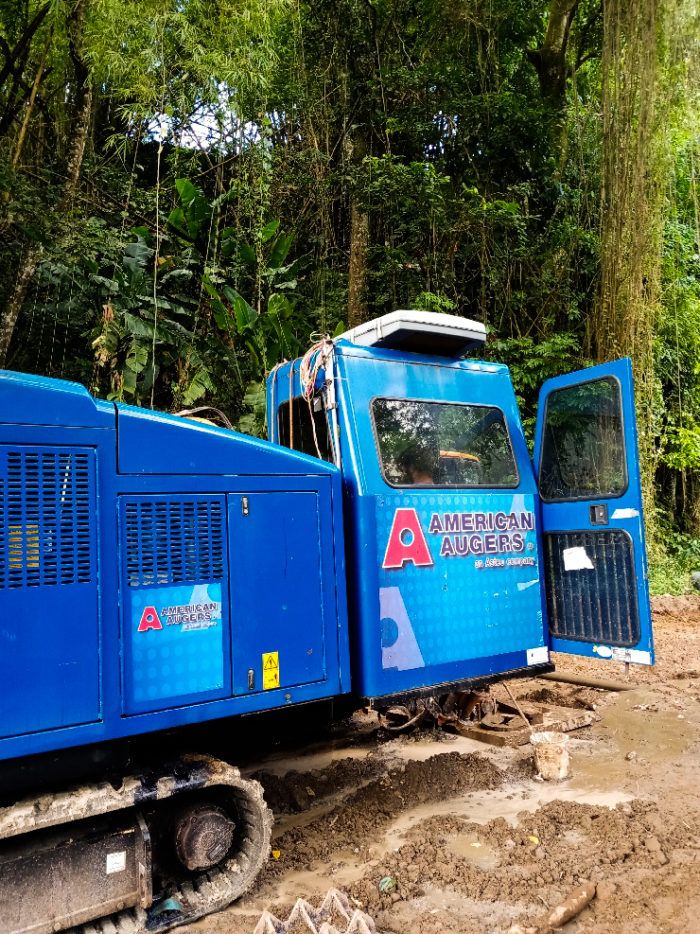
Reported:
(424, 332)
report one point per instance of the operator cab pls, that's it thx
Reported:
(462, 564)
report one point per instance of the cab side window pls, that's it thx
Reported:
(299, 433)
(442, 444)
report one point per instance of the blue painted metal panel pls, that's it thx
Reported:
(277, 588)
(465, 619)
(152, 442)
(49, 639)
(37, 400)
(86, 648)
(597, 574)
(175, 612)
(466, 604)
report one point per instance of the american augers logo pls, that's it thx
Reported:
(461, 535)
(188, 616)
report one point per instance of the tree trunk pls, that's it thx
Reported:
(77, 151)
(635, 173)
(13, 67)
(692, 511)
(29, 109)
(550, 59)
(357, 272)
(30, 261)
(358, 146)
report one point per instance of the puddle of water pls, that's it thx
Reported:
(600, 776)
(341, 871)
(655, 736)
(420, 751)
(478, 807)
(285, 822)
(600, 773)
(311, 882)
(471, 848)
(322, 758)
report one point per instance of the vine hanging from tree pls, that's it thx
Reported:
(634, 171)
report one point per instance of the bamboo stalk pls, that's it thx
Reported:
(30, 105)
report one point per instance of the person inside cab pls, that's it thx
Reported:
(417, 464)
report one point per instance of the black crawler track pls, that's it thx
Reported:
(203, 894)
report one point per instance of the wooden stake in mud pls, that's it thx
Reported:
(573, 906)
(517, 705)
(560, 915)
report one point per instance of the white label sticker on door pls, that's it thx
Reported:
(116, 862)
(625, 514)
(576, 559)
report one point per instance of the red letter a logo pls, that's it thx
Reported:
(407, 541)
(149, 620)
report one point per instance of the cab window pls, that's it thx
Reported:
(300, 433)
(583, 444)
(442, 444)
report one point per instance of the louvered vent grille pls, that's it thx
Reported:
(45, 518)
(174, 541)
(3, 534)
(597, 604)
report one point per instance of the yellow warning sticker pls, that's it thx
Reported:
(271, 670)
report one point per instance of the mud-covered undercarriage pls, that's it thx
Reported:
(159, 848)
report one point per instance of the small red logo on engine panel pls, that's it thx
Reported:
(407, 542)
(149, 620)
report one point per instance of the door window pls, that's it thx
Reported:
(583, 446)
(441, 444)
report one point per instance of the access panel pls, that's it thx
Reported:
(277, 601)
(175, 624)
(49, 631)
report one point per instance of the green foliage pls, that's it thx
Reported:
(429, 301)
(678, 333)
(670, 565)
(188, 304)
(669, 576)
(532, 362)
(168, 55)
(233, 141)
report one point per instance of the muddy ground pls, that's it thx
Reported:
(470, 839)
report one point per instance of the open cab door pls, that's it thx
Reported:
(587, 466)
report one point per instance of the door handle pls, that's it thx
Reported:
(599, 514)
